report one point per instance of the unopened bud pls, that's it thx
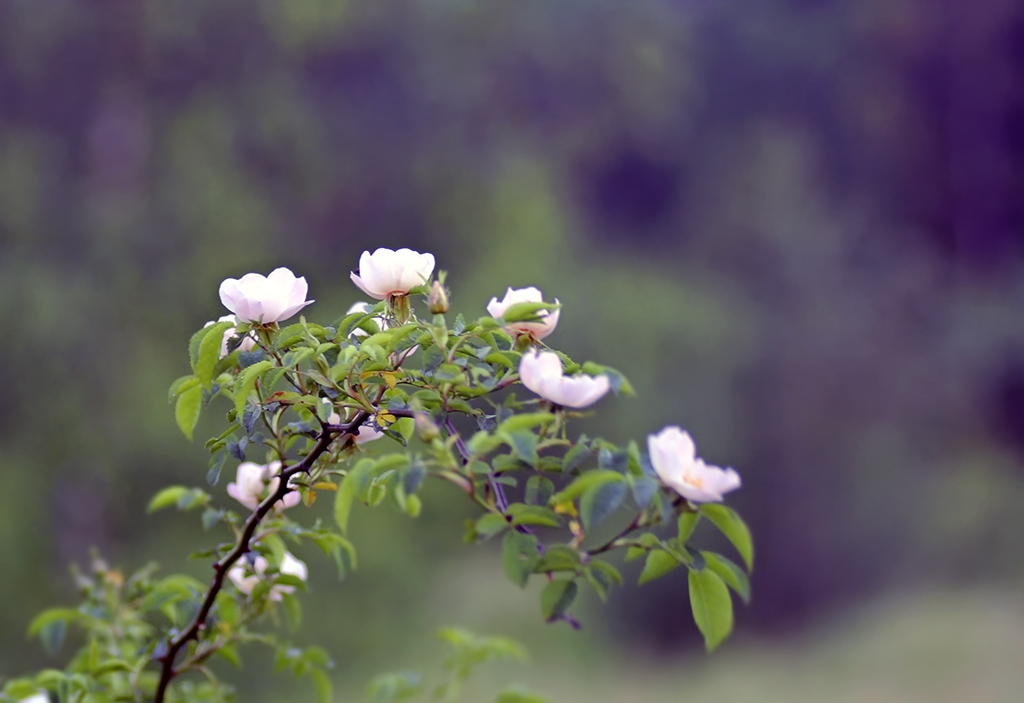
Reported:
(437, 301)
(426, 428)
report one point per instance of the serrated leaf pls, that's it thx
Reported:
(732, 526)
(730, 572)
(187, 409)
(557, 597)
(519, 556)
(209, 352)
(246, 383)
(181, 385)
(657, 565)
(712, 607)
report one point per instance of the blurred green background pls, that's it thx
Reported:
(797, 225)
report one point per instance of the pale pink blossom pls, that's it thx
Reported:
(245, 577)
(674, 457)
(265, 299)
(539, 329)
(254, 482)
(387, 273)
(542, 373)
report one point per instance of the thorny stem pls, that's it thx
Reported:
(221, 568)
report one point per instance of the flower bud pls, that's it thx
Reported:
(437, 301)
(426, 428)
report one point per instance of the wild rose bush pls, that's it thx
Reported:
(482, 404)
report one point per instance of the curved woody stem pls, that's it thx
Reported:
(221, 568)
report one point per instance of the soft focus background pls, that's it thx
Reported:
(797, 225)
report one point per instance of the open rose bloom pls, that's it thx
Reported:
(254, 482)
(246, 576)
(386, 273)
(543, 373)
(539, 329)
(674, 457)
(265, 299)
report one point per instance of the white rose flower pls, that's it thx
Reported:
(245, 577)
(248, 343)
(37, 698)
(265, 299)
(387, 273)
(367, 433)
(254, 482)
(674, 457)
(543, 374)
(540, 329)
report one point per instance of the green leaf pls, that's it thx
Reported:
(394, 688)
(193, 346)
(350, 487)
(180, 386)
(166, 498)
(526, 421)
(634, 553)
(657, 565)
(523, 514)
(539, 490)
(730, 572)
(557, 597)
(733, 527)
(687, 524)
(216, 464)
(644, 489)
(600, 501)
(323, 686)
(48, 617)
(585, 482)
(523, 443)
(577, 455)
(52, 636)
(491, 524)
(519, 556)
(527, 312)
(230, 652)
(518, 694)
(186, 410)
(209, 352)
(559, 557)
(246, 383)
(712, 607)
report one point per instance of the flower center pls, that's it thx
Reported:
(692, 479)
